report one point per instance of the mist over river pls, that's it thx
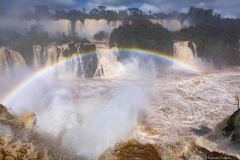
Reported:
(119, 80)
(160, 107)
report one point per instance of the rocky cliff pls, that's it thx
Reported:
(18, 140)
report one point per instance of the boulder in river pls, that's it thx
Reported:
(233, 127)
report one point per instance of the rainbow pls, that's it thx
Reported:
(45, 70)
(165, 56)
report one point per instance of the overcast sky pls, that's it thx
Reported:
(229, 8)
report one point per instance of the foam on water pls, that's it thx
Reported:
(97, 113)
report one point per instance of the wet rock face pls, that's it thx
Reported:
(18, 141)
(135, 150)
(233, 127)
(14, 139)
(131, 150)
(208, 155)
(184, 150)
(9, 120)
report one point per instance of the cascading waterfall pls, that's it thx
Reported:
(68, 64)
(17, 59)
(184, 53)
(10, 59)
(57, 27)
(52, 56)
(78, 26)
(107, 59)
(74, 66)
(4, 65)
(62, 67)
(171, 24)
(78, 63)
(39, 55)
(102, 64)
(80, 69)
(43, 55)
(90, 27)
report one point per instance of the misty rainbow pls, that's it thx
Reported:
(45, 70)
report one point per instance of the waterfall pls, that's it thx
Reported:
(71, 67)
(84, 29)
(107, 61)
(78, 26)
(4, 66)
(194, 50)
(80, 67)
(39, 53)
(17, 59)
(184, 53)
(10, 60)
(115, 24)
(102, 64)
(78, 63)
(171, 24)
(43, 55)
(62, 66)
(56, 27)
(51, 56)
(90, 27)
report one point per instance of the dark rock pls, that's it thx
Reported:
(18, 141)
(208, 155)
(233, 127)
(201, 131)
(100, 36)
(132, 149)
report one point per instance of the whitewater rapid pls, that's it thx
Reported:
(181, 105)
(150, 103)
(186, 106)
(176, 105)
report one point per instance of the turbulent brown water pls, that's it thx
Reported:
(167, 109)
(181, 105)
(191, 106)
(159, 107)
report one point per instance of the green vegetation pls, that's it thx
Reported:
(143, 34)
(217, 38)
(233, 127)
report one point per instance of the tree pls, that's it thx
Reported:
(122, 14)
(135, 12)
(101, 8)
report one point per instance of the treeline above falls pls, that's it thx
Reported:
(217, 44)
(217, 39)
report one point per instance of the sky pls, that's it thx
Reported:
(228, 8)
